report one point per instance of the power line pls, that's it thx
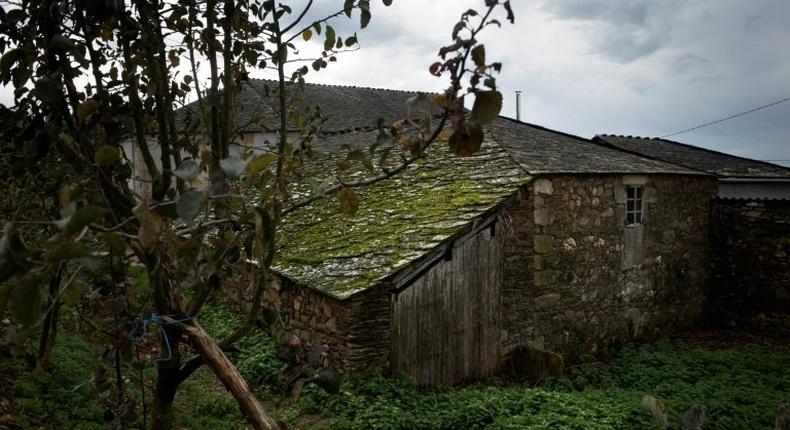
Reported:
(727, 118)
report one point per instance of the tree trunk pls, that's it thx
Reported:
(167, 382)
(230, 377)
(168, 379)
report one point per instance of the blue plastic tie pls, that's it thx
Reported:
(157, 319)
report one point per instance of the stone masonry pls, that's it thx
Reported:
(355, 330)
(751, 277)
(577, 279)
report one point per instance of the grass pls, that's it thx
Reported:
(741, 388)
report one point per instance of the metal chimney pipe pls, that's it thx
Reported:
(518, 105)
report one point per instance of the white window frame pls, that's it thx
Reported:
(634, 205)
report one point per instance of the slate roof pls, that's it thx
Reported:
(347, 108)
(718, 163)
(543, 151)
(399, 220)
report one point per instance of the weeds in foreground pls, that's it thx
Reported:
(741, 388)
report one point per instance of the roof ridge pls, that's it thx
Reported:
(598, 139)
(700, 148)
(540, 127)
(356, 87)
(713, 151)
(626, 136)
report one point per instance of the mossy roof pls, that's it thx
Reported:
(399, 219)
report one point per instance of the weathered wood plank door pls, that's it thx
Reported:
(447, 325)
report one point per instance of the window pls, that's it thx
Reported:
(633, 205)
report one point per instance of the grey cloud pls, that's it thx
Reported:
(626, 45)
(623, 30)
(625, 12)
(686, 63)
(692, 68)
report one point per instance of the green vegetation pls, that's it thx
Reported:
(741, 388)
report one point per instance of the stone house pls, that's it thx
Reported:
(750, 229)
(542, 239)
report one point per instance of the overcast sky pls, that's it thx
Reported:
(633, 67)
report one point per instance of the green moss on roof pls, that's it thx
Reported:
(399, 219)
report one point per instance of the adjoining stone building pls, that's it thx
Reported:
(750, 229)
(541, 239)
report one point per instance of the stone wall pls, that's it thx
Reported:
(577, 279)
(320, 319)
(751, 256)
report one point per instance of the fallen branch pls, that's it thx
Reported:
(227, 373)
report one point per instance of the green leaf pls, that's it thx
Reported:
(509, 10)
(60, 43)
(387, 2)
(107, 155)
(260, 163)
(232, 166)
(349, 202)
(115, 241)
(14, 15)
(348, 6)
(466, 143)
(26, 299)
(11, 250)
(317, 27)
(479, 56)
(188, 170)
(307, 34)
(189, 204)
(48, 90)
(86, 108)
(74, 292)
(486, 107)
(7, 62)
(67, 251)
(385, 153)
(330, 40)
(351, 40)
(84, 216)
(359, 155)
(364, 17)
(91, 264)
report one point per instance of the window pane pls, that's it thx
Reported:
(629, 218)
(629, 192)
(638, 217)
(629, 206)
(639, 191)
